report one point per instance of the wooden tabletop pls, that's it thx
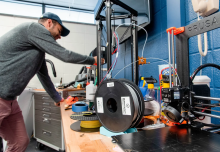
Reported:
(66, 89)
(84, 142)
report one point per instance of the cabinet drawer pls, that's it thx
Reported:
(47, 115)
(44, 103)
(52, 137)
(43, 97)
(48, 121)
(48, 109)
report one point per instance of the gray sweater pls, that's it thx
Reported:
(22, 55)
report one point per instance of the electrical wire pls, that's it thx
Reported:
(205, 42)
(203, 66)
(200, 64)
(201, 119)
(170, 65)
(115, 60)
(115, 34)
(125, 67)
(137, 26)
(148, 59)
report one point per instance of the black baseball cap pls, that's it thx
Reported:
(53, 16)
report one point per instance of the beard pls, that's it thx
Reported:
(52, 31)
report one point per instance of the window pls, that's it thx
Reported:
(35, 10)
(72, 15)
(20, 8)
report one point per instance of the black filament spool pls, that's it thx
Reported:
(112, 92)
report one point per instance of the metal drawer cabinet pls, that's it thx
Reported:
(47, 122)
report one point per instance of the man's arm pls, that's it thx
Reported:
(41, 38)
(47, 83)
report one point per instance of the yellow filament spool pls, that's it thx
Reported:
(90, 124)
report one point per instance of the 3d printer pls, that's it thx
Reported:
(185, 101)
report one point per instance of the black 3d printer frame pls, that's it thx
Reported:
(134, 32)
(182, 46)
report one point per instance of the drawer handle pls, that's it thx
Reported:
(46, 115)
(46, 120)
(45, 103)
(46, 109)
(47, 133)
(45, 98)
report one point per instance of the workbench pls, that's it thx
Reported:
(84, 142)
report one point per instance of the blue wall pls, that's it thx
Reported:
(212, 56)
(157, 47)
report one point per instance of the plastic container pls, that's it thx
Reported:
(90, 91)
(143, 90)
(153, 105)
(143, 87)
(203, 79)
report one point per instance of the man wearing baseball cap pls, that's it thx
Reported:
(22, 55)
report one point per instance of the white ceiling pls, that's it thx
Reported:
(78, 4)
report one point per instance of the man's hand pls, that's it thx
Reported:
(58, 103)
(102, 60)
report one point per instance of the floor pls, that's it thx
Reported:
(33, 144)
(32, 147)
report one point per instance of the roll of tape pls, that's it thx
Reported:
(79, 107)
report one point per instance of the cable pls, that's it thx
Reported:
(205, 42)
(200, 64)
(137, 26)
(115, 34)
(166, 71)
(125, 67)
(115, 60)
(203, 66)
(73, 82)
(52, 66)
(148, 58)
(168, 63)
(201, 119)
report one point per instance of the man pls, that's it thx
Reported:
(22, 55)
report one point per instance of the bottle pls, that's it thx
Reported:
(143, 86)
(61, 82)
(90, 91)
(151, 103)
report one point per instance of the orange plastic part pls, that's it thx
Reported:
(71, 100)
(142, 60)
(170, 123)
(176, 31)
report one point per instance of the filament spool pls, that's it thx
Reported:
(119, 104)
